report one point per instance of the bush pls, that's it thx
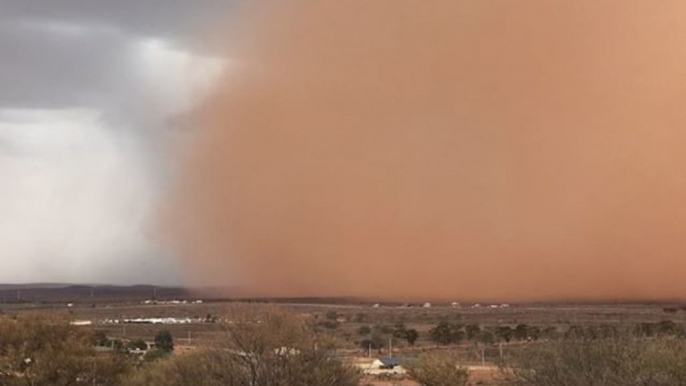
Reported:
(411, 336)
(445, 333)
(472, 331)
(613, 361)
(278, 351)
(41, 351)
(164, 341)
(437, 370)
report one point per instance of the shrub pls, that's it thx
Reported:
(278, 351)
(164, 341)
(445, 333)
(437, 370)
(619, 360)
(41, 351)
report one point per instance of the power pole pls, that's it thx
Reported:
(190, 340)
(369, 350)
(95, 372)
(390, 347)
(483, 356)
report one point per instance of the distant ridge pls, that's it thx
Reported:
(59, 292)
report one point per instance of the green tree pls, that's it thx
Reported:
(472, 331)
(521, 332)
(411, 336)
(164, 341)
(486, 337)
(504, 333)
(445, 334)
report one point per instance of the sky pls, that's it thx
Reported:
(391, 149)
(92, 95)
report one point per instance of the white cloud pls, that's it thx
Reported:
(74, 200)
(79, 186)
(171, 80)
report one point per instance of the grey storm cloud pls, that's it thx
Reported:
(90, 95)
(61, 53)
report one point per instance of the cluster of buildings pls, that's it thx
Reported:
(151, 302)
(453, 305)
(153, 321)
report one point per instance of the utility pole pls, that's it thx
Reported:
(390, 347)
(501, 350)
(483, 356)
(190, 340)
(95, 372)
(369, 350)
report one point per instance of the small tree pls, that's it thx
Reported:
(445, 334)
(486, 337)
(504, 333)
(164, 341)
(411, 336)
(521, 332)
(472, 331)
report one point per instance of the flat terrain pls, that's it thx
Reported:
(344, 321)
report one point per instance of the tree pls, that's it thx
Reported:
(504, 333)
(411, 336)
(445, 334)
(376, 342)
(41, 351)
(472, 331)
(164, 341)
(364, 330)
(486, 337)
(278, 351)
(521, 332)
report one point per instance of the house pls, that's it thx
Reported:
(380, 366)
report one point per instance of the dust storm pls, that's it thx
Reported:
(441, 149)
